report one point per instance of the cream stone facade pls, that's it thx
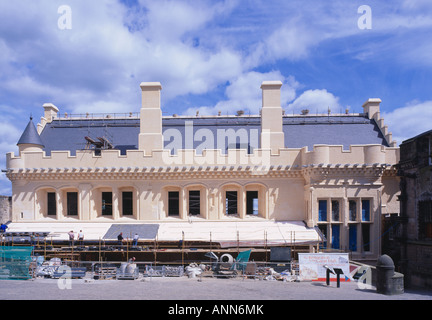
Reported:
(342, 191)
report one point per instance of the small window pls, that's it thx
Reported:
(365, 210)
(231, 202)
(252, 203)
(352, 237)
(106, 203)
(335, 236)
(72, 203)
(127, 203)
(323, 229)
(366, 237)
(352, 210)
(194, 202)
(322, 210)
(52, 204)
(335, 210)
(173, 203)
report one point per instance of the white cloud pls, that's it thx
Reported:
(170, 20)
(101, 106)
(5, 185)
(101, 59)
(316, 101)
(190, 47)
(244, 93)
(9, 136)
(417, 4)
(408, 121)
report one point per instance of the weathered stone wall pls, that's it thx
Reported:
(415, 169)
(5, 209)
(419, 264)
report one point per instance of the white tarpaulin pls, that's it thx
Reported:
(228, 233)
(242, 233)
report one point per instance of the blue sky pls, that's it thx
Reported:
(212, 56)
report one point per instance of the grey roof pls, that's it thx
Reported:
(30, 135)
(144, 231)
(214, 132)
(331, 130)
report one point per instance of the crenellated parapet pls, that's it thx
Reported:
(136, 164)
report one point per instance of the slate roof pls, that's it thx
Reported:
(300, 131)
(30, 135)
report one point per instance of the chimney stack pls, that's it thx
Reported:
(372, 107)
(272, 135)
(150, 137)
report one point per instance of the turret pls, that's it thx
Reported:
(30, 139)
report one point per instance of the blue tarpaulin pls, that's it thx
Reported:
(15, 262)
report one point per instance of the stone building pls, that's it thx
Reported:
(412, 237)
(288, 179)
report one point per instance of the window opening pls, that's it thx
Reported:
(335, 210)
(335, 236)
(106, 203)
(252, 202)
(352, 237)
(322, 210)
(366, 237)
(231, 202)
(352, 210)
(194, 202)
(52, 204)
(173, 203)
(323, 229)
(72, 203)
(127, 203)
(365, 210)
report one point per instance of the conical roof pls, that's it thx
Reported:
(30, 135)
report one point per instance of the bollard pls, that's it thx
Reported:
(389, 282)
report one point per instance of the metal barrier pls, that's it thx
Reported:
(285, 271)
(121, 270)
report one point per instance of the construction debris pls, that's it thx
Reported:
(193, 270)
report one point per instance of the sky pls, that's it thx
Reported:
(211, 56)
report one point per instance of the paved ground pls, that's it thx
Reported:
(210, 289)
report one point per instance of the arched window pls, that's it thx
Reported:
(46, 202)
(232, 204)
(196, 197)
(256, 200)
(70, 202)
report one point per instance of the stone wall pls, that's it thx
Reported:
(5, 209)
(415, 170)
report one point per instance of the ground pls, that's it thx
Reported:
(184, 288)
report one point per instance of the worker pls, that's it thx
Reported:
(3, 228)
(81, 238)
(71, 238)
(135, 240)
(120, 239)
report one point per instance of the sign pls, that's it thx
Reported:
(312, 266)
